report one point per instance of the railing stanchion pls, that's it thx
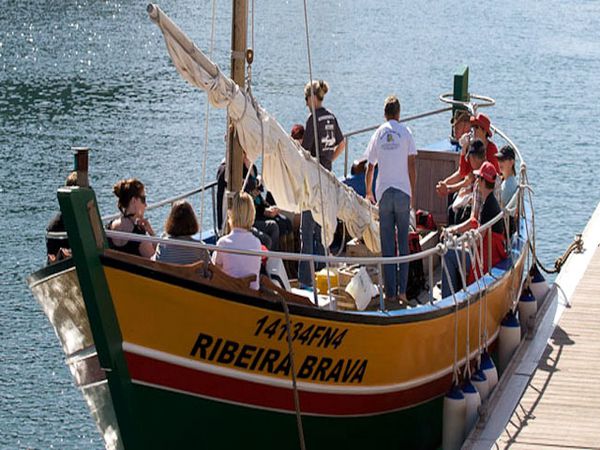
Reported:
(312, 276)
(346, 149)
(430, 263)
(214, 210)
(380, 281)
(489, 248)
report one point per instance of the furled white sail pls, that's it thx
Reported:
(290, 173)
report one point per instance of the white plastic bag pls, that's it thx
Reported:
(361, 289)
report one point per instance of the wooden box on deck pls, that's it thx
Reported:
(432, 166)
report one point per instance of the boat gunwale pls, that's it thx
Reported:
(490, 283)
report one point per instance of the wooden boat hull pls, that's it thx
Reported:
(200, 359)
(187, 362)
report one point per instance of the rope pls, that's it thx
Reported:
(472, 248)
(317, 149)
(455, 372)
(575, 246)
(467, 371)
(479, 270)
(288, 327)
(206, 122)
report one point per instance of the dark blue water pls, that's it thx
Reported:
(96, 73)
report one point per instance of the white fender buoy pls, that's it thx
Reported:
(510, 336)
(527, 309)
(480, 381)
(454, 419)
(489, 369)
(472, 401)
(538, 285)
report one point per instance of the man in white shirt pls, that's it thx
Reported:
(392, 147)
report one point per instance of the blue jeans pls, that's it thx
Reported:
(451, 260)
(310, 244)
(394, 217)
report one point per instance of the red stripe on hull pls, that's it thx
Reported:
(253, 394)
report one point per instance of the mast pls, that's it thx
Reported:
(235, 157)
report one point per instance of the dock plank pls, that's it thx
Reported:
(560, 408)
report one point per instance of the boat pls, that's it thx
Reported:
(186, 356)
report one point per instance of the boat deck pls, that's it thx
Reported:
(561, 405)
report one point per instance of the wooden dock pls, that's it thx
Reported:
(561, 406)
(549, 397)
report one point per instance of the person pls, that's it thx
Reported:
(480, 131)
(264, 221)
(506, 160)
(57, 247)
(330, 145)
(181, 224)
(131, 202)
(485, 182)
(297, 133)
(393, 149)
(461, 125)
(240, 218)
(464, 199)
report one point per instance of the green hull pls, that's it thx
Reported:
(194, 422)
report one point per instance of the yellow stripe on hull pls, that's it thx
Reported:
(204, 328)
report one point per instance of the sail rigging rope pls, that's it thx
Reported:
(206, 122)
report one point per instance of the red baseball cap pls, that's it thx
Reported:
(487, 171)
(483, 121)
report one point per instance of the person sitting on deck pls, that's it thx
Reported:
(463, 201)
(131, 197)
(58, 248)
(485, 181)
(181, 225)
(461, 126)
(297, 133)
(506, 160)
(481, 131)
(240, 218)
(393, 149)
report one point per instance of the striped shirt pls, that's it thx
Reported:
(176, 254)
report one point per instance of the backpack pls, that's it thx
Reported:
(416, 275)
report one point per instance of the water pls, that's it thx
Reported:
(97, 73)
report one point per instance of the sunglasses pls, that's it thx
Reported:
(142, 198)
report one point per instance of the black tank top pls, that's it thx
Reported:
(131, 247)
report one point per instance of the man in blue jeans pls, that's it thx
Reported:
(392, 148)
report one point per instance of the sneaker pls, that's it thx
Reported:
(392, 304)
(412, 302)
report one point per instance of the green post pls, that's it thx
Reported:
(461, 87)
(86, 236)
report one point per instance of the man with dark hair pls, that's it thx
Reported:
(393, 149)
(464, 200)
(485, 182)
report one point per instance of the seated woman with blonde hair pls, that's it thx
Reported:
(240, 218)
(182, 225)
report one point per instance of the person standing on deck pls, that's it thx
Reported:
(393, 149)
(330, 145)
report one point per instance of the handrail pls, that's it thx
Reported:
(402, 120)
(369, 260)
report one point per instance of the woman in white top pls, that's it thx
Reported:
(240, 218)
